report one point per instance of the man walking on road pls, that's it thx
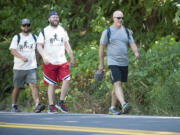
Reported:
(116, 38)
(23, 48)
(52, 43)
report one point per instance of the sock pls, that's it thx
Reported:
(36, 104)
(112, 107)
(13, 105)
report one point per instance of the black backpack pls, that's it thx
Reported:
(109, 33)
(19, 38)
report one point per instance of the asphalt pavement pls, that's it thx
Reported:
(86, 124)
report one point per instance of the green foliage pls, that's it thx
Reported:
(6, 69)
(154, 78)
(84, 89)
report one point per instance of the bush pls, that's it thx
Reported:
(154, 78)
(6, 69)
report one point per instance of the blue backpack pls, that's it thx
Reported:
(109, 33)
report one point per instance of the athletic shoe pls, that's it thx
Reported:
(126, 108)
(15, 109)
(39, 108)
(61, 107)
(52, 109)
(114, 111)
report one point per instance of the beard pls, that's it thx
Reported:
(119, 23)
(54, 23)
(27, 31)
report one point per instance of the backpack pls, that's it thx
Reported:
(43, 33)
(109, 33)
(19, 38)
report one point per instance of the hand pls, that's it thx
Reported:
(101, 68)
(45, 60)
(24, 59)
(136, 55)
(71, 63)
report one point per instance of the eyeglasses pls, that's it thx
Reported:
(119, 18)
(24, 25)
(55, 17)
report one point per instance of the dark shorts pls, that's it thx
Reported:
(118, 73)
(22, 76)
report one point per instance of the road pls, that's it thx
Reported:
(86, 124)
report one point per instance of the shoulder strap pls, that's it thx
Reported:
(18, 38)
(34, 37)
(127, 31)
(108, 33)
(43, 33)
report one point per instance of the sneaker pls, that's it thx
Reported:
(61, 107)
(39, 108)
(114, 111)
(15, 109)
(52, 109)
(126, 108)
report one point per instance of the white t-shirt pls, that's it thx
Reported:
(26, 48)
(53, 41)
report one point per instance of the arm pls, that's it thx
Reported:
(41, 51)
(69, 51)
(101, 57)
(135, 50)
(37, 57)
(16, 54)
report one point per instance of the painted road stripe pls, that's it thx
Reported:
(86, 129)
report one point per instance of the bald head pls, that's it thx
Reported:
(118, 19)
(117, 13)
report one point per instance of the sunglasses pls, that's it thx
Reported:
(119, 18)
(24, 25)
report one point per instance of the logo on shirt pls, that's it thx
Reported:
(25, 45)
(55, 38)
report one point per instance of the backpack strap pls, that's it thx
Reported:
(108, 33)
(35, 39)
(127, 31)
(43, 33)
(18, 38)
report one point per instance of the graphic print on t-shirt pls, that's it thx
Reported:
(25, 45)
(56, 38)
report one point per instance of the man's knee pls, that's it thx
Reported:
(118, 83)
(33, 86)
(66, 81)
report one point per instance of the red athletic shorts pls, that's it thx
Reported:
(55, 73)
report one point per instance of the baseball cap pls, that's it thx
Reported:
(98, 76)
(25, 21)
(52, 13)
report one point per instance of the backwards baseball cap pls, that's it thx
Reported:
(52, 13)
(25, 21)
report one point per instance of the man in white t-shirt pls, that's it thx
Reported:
(23, 48)
(52, 43)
